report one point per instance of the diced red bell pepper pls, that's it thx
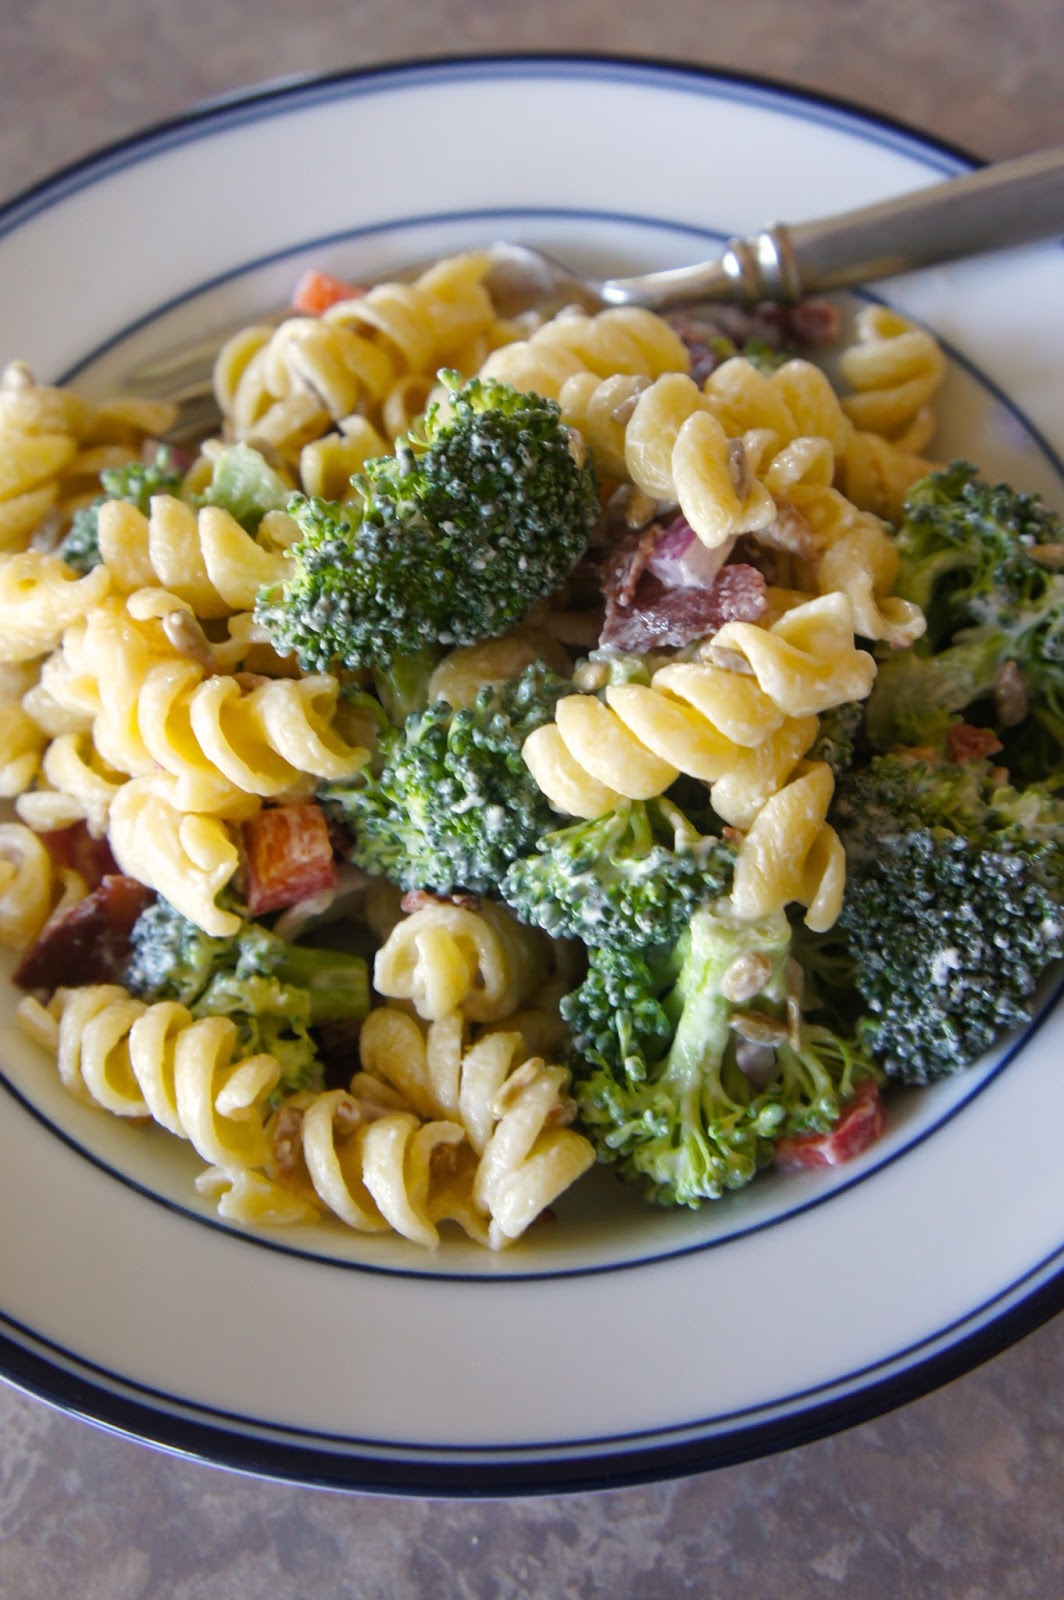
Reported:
(289, 856)
(965, 743)
(859, 1126)
(75, 847)
(317, 291)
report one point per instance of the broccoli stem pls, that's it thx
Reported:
(336, 982)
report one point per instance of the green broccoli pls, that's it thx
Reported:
(448, 802)
(625, 880)
(689, 1066)
(458, 535)
(994, 647)
(244, 484)
(403, 686)
(839, 736)
(276, 993)
(136, 482)
(954, 907)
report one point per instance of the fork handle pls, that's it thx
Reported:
(1008, 203)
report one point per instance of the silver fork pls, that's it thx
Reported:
(996, 207)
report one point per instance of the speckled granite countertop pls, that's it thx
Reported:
(955, 1496)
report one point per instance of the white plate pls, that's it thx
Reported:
(621, 1344)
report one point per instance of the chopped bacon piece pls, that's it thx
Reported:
(965, 743)
(289, 856)
(87, 942)
(811, 324)
(317, 291)
(74, 847)
(626, 563)
(859, 1126)
(673, 617)
(814, 323)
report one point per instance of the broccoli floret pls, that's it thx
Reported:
(686, 1089)
(403, 686)
(457, 536)
(136, 482)
(954, 907)
(625, 880)
(244, 484)
(275, 992)
(449, 802)
(994, 647)
(839, 736)
(272, 1018)
(171, 958)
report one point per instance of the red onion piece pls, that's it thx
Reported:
(681, 561)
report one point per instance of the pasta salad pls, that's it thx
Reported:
(510, 744)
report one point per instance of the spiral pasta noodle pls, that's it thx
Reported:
(600, 409)
(205, 558)
(22, 744)
(188, 858)
(514, 1112)
(159, 1062)
(444, 958)
(625, 340)
(791, 854)
(853, 552)
(222, 739)
(74, 785)
(388, 1172)
(31, 887)
(53, 446)
(807, 661)
(676, 449)
(463, 672)
(699, 719)
(327, 465)
(874, 459)
(895, 369)
(40, 596)
(376, 355)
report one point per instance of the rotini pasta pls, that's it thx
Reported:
(704, 721)
(39, 598)
(462, 673)
(791, 854)
(31, 887)
(53, 446)
(626, 340)
(205, 558)
(853, 552)
(384, 1172)
(807, 661)
(185, 857)
(220, 738)
(677, 449)
(444, 958)
(895, 369)
(514, 1113)
(375, 356)
(159, 1062)
(74, 785)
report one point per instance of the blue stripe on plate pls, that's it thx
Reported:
(304, 1456)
